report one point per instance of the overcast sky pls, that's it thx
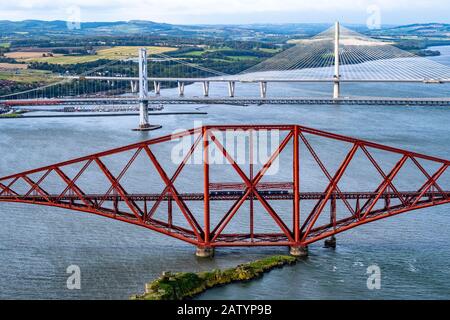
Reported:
(230, 11)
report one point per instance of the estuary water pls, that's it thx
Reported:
(37, 244)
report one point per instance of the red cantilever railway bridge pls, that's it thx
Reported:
(405, 181)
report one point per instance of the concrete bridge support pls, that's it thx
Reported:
(300, 252)
(134, 86)
(144, 124)
(205, 252)
(181, 89)
(157, 86)
(206, 89)
(336, 90)
(231, 88)
(263, 89)
(331, 243)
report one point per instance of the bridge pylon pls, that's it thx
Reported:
(337, 84)
(144, 124)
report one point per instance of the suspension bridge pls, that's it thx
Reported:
(337, 56)
(310, 186)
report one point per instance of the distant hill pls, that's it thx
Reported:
(91, 28)
(51, 29)
(419, 30)
(30, 28)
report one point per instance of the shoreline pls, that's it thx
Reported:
(187, 285)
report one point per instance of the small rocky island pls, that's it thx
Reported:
(186, 285)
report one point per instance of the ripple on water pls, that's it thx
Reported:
(38, 243)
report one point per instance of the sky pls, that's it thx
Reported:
(231, 11)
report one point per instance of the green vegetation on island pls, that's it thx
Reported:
(16, 114)
(185, 285)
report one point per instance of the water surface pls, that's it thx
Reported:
(37, 244)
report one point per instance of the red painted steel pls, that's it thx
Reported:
(305, 226)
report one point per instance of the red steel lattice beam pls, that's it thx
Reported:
(300, 229)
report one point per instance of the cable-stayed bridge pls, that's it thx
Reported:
(336, 56)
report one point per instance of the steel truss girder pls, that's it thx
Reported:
(304, 227)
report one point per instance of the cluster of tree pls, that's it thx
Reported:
(4, 49)
(83, 42)
(225, 54)
(142, 40)
(185, 50)
(234, 67)
(74, 50)
(160, 69)
(7, 60)
(8, 87)
(249, 45)
(420, 44)
(77, 68)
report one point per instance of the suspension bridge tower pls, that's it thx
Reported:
(144, 124)
(336, 87)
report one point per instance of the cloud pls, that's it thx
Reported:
(211, 10)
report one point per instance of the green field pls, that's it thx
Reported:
(270, 50)
(194, 54)
(27, 76)
(200, 53)
(227, 54)
(115, 53)
(238, 58)
(5, 45)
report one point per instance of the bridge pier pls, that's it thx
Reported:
(144, 124)
(134, 86)
(181, 89)
(330, 243)
(157, 86)
(336, 89)
(206, 89)
(205, 252)
(263, 89)
(231, 88)
(298, 251)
